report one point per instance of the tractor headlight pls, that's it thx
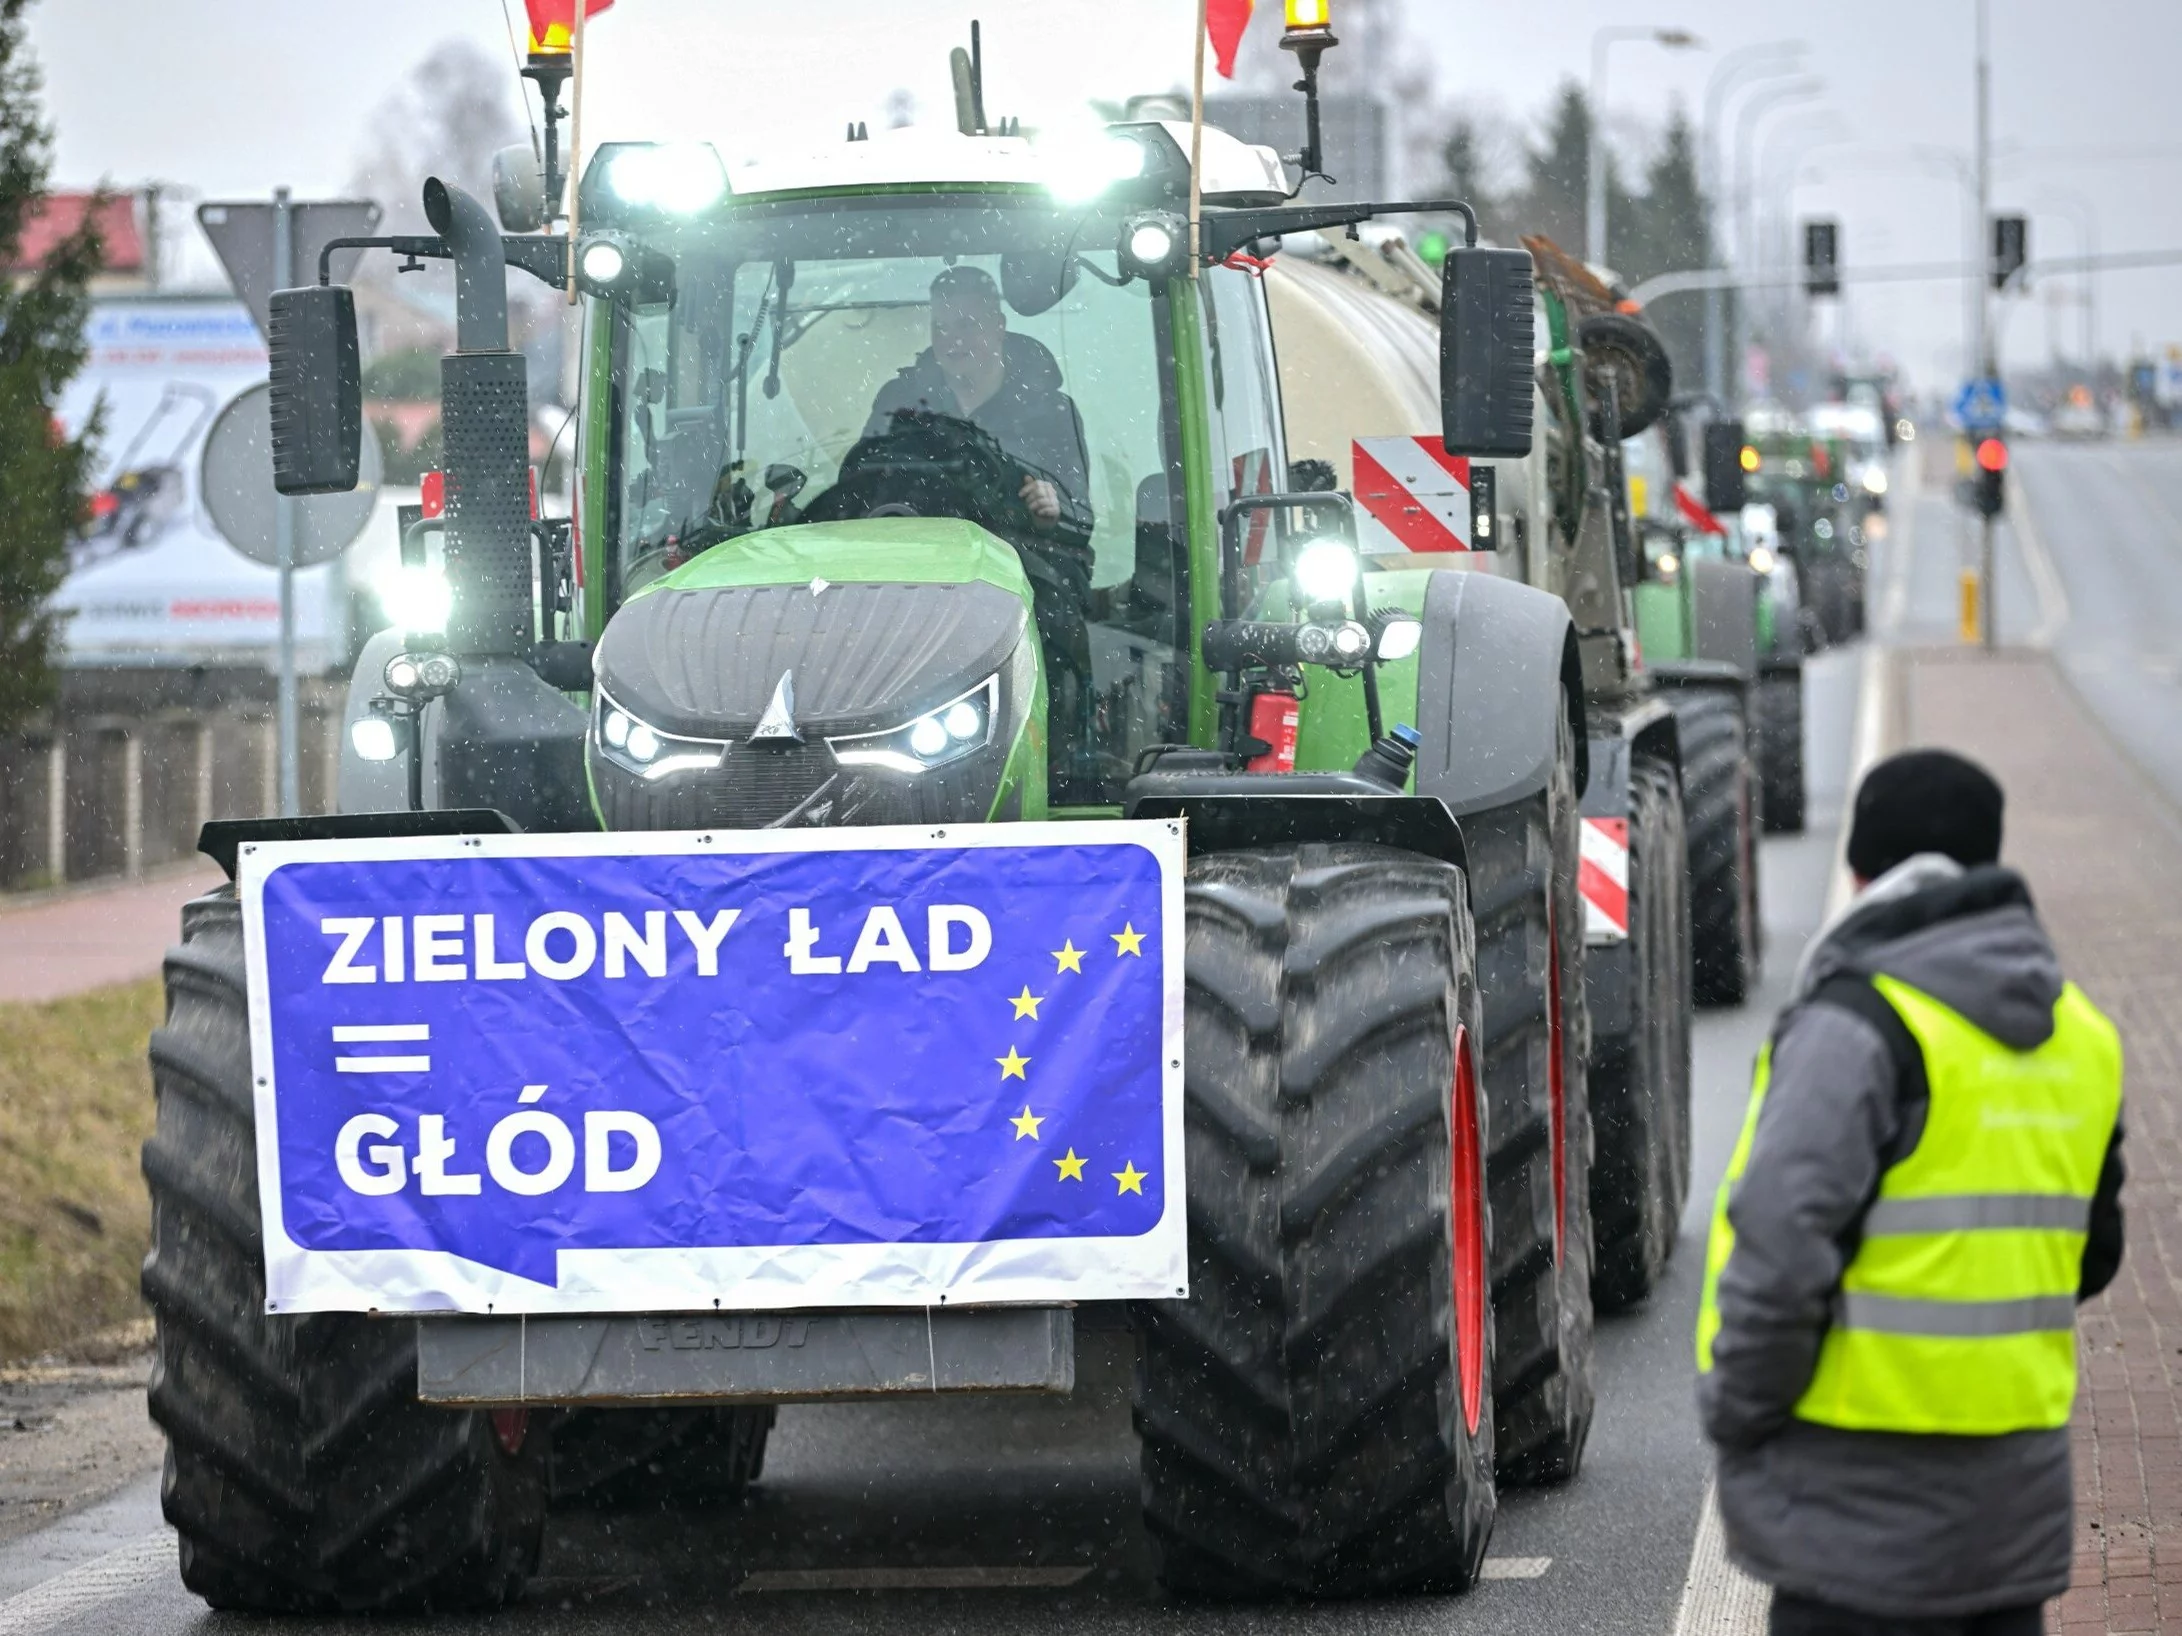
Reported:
(374, 738)
(630, 742)
(1154, 246)
(1325, 571)
(1080, 169)
(962, 726)
(1400, 638)
(1875, 479)
(417, 598)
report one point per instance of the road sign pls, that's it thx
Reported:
(845, 1067)
(242, 236)
(1982, 404)
(236, 480)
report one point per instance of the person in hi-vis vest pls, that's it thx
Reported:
(1927, 1182)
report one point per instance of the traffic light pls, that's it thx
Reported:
(1821, 258)
(1724, 471)
(1990, 494)
(2011, 248)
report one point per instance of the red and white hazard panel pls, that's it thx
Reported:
(1411, 496)
(1602, 876)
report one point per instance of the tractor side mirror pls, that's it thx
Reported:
(317, 390)
(1725, 489)
(1487, 319)
(518, 189)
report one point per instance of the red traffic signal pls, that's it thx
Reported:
(1992, 455)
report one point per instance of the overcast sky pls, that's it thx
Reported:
(230, 97)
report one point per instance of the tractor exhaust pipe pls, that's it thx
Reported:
(485, 424)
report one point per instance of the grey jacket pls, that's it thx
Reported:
(1896, 1525)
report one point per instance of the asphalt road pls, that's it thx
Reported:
(997, 1494)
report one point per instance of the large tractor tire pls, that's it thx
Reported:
(1640, 1081)
(1780, 749)
(1529, 915)
(302, 1475)
(1720, 796)
(616, 1458)
(1316, 1416)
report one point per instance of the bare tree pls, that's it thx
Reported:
(459, 107)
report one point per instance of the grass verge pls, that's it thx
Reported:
(75, 1107)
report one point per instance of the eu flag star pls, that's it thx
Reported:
(1071, 1167)
(1128, 941)
(1130, 1178)
(1067, 957)
(1026, 1004)
(1012, 1066)
(1026, 1123)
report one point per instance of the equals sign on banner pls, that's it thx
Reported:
(380, 1034)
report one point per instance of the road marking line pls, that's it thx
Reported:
(2053, 610)
(1515, 1567)
(1901, 543)
(90, 1584)
(1718, 1598)
(1873, 704)
(910, 1579)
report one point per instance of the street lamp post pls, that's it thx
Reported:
(2076, 204)
(1594, 215)
(1761, 102)
(1769, 60)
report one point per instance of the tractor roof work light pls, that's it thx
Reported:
(676, 178)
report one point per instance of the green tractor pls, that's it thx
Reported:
(1818, 523)
(1716, 595)
(921, 482)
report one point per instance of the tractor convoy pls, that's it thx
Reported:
(1256, 521)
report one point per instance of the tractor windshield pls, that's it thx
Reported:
(893, 355)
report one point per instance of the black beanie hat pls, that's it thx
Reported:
(1925, 801)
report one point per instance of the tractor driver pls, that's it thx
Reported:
(1006, 385)
(1009, 386)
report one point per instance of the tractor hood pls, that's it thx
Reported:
(755, 660)
(874, 629)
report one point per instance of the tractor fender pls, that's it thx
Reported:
(1649, 725)
(1497, 659)
(1244, 811)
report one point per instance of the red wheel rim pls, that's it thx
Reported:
(1555, 1091)
(509, 1428)
(1466, 1181)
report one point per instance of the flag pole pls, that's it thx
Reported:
(575, 139)
(1197, 137)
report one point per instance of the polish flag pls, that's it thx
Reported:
(1225, 21)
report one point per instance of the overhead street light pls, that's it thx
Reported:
(1671, 39)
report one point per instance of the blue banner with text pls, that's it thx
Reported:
(547, 1073)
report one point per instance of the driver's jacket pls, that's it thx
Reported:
(1030, 416)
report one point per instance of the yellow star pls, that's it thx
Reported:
(1067, 957)
(1128, 941)
(1131, 1179)
(1026, 1123)
(1012, 1066)
(1026, 1004)
(1071, 1167)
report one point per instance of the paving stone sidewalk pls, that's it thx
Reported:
(78, 940)
(2103, 852)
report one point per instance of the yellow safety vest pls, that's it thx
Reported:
(1957, 1312)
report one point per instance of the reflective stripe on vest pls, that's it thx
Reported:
(1957, 1312)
